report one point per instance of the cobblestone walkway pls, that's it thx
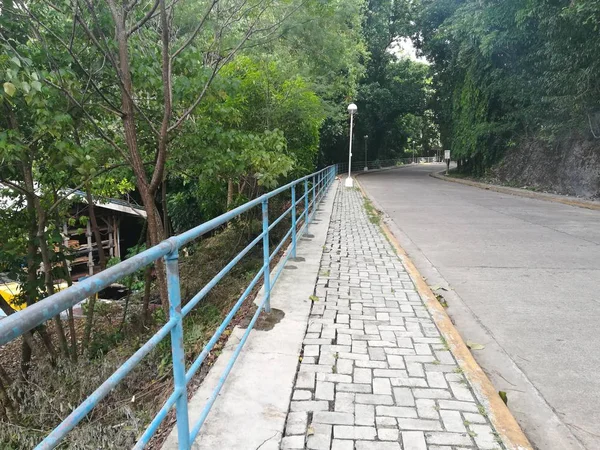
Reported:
(376, 373)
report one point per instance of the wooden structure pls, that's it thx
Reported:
(120, 224)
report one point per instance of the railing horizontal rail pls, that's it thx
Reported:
(25, 320)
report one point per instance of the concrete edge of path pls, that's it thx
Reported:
(500, 416)
(579, 203)
(252, 407)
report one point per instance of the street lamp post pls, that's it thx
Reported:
(349, 182)
(366, 166)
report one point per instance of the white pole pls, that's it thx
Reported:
(351, 110)
(350, 151)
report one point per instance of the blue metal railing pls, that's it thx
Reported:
(23, 321)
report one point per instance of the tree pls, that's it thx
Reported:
(133, 59)
(505, 72)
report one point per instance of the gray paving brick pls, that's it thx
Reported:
(305, 380)
(334, 377)
(333, 418)
(296, 423)
(388, 434)
(371, 364)
(373, 399)
(459, 406)
(344, 402)
(453, 421)
(338, 444)
(354, 432)
(344, 366)
(395, 411)
(324, 391)
(427, 409)
(362, 375)
(311, 350)
(474, 418)
(309, 405)
(389, 373)
(461, 392)
(419, 424)
(320, 438)
(444, 438)
(382, 386)
(413, 440)
(372, 445)
(292, 442)
(484, 437)
(404, 397)
(373, 354)
(302, 395)
(352, 387)
(436, 380)
(431, 393)
(316, 368)
(364, 414)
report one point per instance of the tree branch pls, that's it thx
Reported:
(83, 183)
(190, 39)
(144, 19)
(16, 187)
(90, 118)
(76, 60)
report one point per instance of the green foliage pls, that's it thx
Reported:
(506, 70)
(393, 95)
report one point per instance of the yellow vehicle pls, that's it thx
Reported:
(11, 289)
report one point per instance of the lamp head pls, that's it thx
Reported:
(352, 108)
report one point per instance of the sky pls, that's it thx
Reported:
(403, 47)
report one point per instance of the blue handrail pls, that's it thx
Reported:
(25, 320)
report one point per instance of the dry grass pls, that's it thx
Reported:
(52, 392)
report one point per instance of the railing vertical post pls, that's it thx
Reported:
(320, 185)
(294, 221)
(318, 190)
(266, 254)
(314, 190)
(177, 350)
(306, 196)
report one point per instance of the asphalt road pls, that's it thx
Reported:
(523, 278)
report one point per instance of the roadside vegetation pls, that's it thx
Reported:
(187, 109)
(516, 79)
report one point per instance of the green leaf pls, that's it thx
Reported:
(36, 85)
(475, 346)
(503, 396)
(10, 88)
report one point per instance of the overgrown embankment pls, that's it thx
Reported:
(570, 166)
(52, 389)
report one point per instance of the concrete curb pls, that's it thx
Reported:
(587, 204)
(500, 416)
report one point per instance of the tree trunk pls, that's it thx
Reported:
(43, 246)
(147, 288)
(230, 192)
(7, 404)
(155, 228)
(165, 210)
(71, 318)
(89, 323)
(95, 229)
(26, 352)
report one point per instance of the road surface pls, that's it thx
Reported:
(523, 279)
